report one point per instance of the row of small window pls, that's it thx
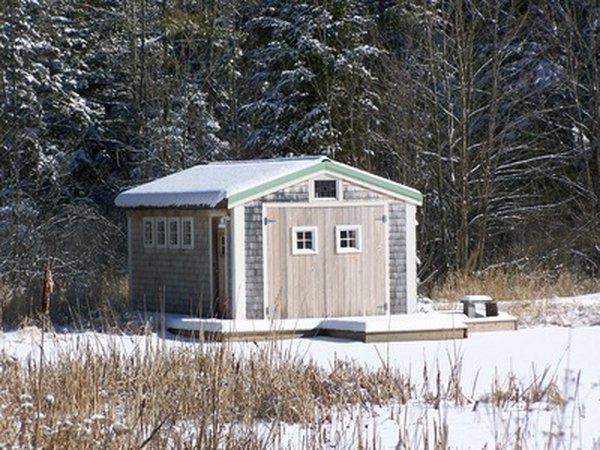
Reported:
(348, 239)
(169, 232)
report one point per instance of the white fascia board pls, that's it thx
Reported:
(411, 259)
(238, 254)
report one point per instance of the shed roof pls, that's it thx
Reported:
(237, 182)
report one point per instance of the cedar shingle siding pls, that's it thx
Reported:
(397, 252)
(176, 280)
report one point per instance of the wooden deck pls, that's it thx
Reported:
(501, 322)
(405, 327)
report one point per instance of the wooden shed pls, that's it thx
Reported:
(276, 238)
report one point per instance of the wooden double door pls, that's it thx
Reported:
(327, 282)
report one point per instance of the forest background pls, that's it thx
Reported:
(490, 108)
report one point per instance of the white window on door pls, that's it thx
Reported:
(161, 232)
(304, 240)
(187, 233)
(348, 239)
(148, 224)
(173, 233)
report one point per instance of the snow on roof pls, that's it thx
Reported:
(239, 181)
(209, 184)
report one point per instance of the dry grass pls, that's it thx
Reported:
(205, 396)
(101, 304)
(503, 285)
(175, 399)
(542, 388)
(532, 298)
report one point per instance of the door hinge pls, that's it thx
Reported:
(267, 221)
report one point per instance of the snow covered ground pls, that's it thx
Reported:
(583, 310)
(564, 359)
(567, 354)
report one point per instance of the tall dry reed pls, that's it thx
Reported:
(95, 395)
(513, 285)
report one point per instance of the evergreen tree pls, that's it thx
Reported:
(310, 80)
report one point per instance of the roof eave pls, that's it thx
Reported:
(208, 199)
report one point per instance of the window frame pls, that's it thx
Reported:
(157, 222)
(177, 234)
(315, 243)
(313, 190)
(148, 221)
(338, 239)
(186, 220)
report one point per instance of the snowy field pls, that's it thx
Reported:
(561, 361)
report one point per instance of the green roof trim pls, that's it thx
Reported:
(374, 180)
(333, 167)
(240, 197)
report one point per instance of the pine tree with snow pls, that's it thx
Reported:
(309, 79)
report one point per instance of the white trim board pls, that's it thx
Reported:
(238, 265)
